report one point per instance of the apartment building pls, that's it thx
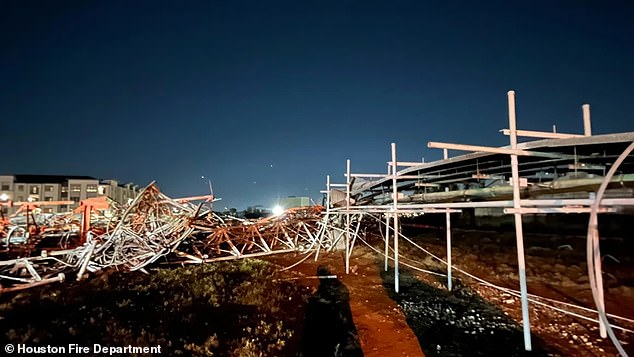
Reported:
(25, 188)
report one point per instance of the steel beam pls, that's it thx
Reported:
(519, 234)
(541, 134)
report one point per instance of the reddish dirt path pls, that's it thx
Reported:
(380, 323)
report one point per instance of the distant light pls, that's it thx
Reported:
(30, 199)
(4, 197)
(278, 210)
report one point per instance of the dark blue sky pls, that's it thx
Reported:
(266, 97)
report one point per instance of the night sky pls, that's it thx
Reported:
(267, 97)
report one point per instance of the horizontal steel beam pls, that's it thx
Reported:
(526, 210)
(494, 150)
(406, 163)
(541, 134)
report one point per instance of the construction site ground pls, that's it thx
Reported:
(250, 308)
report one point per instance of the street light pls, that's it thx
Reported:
(278, 210)
(3, 199)
(203, 177)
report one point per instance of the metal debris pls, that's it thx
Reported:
(153, 227)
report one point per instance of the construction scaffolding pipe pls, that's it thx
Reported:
(395, 213)
(519, 234)
(593, 254)
(587, 125)
(347, 215)
(448, 224)
(387, 238)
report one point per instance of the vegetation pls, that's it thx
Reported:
(230, 308)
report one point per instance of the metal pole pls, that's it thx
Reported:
(327, 193)
(599, 280)
(325, 232)
(445, 154)
(587, 126)
(448, 219)
(395, 208)
(519, 235)
(387, 238)
(347, 215)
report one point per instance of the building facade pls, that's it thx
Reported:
(30, 188)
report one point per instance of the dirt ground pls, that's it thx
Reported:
(251, 308)
(474, 319)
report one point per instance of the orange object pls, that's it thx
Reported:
(85, 208)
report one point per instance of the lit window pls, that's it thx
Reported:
(35, 190)
(91, 188)
(75, 188)
(48, 188)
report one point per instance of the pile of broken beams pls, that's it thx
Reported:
(155, 227)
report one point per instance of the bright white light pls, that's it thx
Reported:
(4, 197)
(278, 210)
(30, 199)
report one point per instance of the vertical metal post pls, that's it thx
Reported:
(598, 277)
(327, 193)
(519, 234)
(445, 153)
(325, 231)
(347, 215)
(395, 209)
(448, 222)
(587, 126)
(387, 238)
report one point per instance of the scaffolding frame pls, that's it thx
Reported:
(518, 206)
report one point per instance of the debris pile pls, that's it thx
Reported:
(153, 227)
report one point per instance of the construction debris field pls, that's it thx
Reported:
(154, 271)
(252, 307)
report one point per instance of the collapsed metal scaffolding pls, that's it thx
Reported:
(554, 176)
(152, 228)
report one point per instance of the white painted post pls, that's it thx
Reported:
(347, 215)
(395, 209)
(448, 222)
(327, 193)
(519, 234)
(387, 238)
(587, 126)
(445, 154)
(598, 277)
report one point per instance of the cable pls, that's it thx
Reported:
(511, 291)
